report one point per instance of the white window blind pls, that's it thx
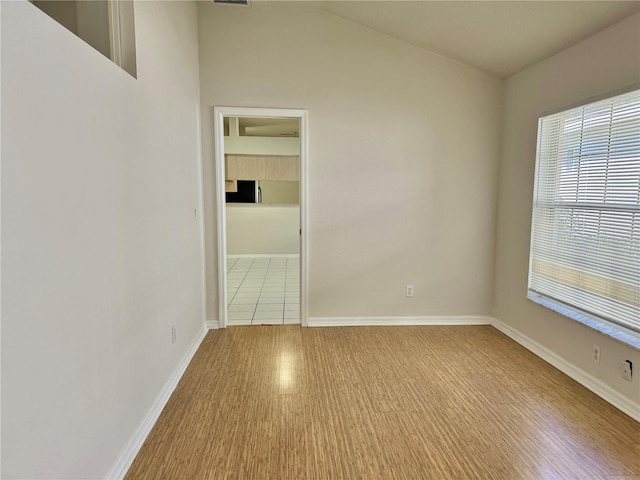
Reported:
(585, 239)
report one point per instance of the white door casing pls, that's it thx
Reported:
(245, 112)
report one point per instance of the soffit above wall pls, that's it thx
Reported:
(499, 37)
(267, 127)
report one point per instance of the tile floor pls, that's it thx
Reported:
(263, 290)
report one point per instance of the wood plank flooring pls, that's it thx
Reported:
(430, 402)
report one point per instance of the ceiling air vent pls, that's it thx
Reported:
(232, 2)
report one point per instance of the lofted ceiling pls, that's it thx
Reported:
(499, 37)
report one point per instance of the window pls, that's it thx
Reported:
(585, 236)
(106, 25)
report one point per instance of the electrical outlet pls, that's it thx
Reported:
(173, 333)
(596, 354)
(627, 370)
(408, 291)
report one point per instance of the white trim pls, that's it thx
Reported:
(128, 454)
(266, 255)
(218, 129)
(597, 386)
(399, 321)
(212, 324)
(115, 37)
(218, 121)
(304, 218)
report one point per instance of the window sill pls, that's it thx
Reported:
(617, 332)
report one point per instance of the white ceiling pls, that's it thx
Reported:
(499, 37)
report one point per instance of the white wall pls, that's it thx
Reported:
(263, 229)
(402, 158)
(603, 63)
(100, 251)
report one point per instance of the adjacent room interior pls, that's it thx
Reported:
(427, 235)
(262, 220)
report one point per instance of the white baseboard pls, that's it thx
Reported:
(598, 387)
(397, 321)
(128, 454)
(265, 255)
(212, 324)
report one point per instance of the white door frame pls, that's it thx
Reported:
(218, 122)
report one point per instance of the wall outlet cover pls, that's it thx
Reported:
(627, 370)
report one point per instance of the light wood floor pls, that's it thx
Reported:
(382, 403)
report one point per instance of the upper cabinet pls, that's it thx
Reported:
(264, 150)
(262, 167)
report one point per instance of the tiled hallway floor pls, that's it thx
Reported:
(263, 290)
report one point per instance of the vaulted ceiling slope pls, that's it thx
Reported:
(499, 37)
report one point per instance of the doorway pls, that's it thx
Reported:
(263, 271)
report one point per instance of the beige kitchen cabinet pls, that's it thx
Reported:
(262, 167)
